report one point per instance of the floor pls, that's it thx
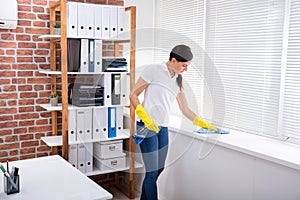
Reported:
(117, 195)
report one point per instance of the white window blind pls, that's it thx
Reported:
(244, 40)
(179, 22)
(291, 105)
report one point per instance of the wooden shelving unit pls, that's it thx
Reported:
(62, 140)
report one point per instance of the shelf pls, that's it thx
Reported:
(72, 107)
(97, 171)
(54, 141)
(50, 36)
(49, 72)
(118, 40)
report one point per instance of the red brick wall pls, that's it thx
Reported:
(22, 88)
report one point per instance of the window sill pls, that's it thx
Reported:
(273, 150)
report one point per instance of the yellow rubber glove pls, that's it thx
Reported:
(200, 122)
(148, 121)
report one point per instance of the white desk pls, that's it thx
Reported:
(51, 177)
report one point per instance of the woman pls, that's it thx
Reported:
(162, 83)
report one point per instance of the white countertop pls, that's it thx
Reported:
(277, 151)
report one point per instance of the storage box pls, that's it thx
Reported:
(108, 149)
(111, 163)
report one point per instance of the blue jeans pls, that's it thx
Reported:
(154, 150)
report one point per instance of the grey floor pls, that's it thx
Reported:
(117, 195)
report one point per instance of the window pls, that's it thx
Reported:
(251, 62)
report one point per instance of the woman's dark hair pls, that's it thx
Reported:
(181, 53)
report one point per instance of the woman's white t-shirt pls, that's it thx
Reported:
(160, 93)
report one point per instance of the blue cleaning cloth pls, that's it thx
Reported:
(206, 131)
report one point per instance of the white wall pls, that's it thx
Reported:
(145, 32)
(223, 174)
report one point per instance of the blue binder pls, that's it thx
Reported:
(112, 125)
(91, 55)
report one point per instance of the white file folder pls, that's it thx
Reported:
(105, 22)
(88, 123)
(89, 15)
(98, 56)
(119, 119)
(73, 155)
(107, 89)
(88, 157)
(81, 157)
(72, 125)
(72, 19)
(81, 20)
(100, 123)
(80, 115)
(84, 55)
(98, 21)
(113, 22)
(124, 93)
(121, 22)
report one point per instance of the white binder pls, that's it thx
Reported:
(88, 157)
(81, 157)
(88, 123)
(107, 89)
(98, 56)
(73, 155)
(82, 20)
(91, 55)
(98, 21)
(119, 119)
(121, 22)
(84, 55)
(124, 93)
(100, 123)
(105, 22)
(89, 15)
(113, 22)
(80, 115)
(72, 125)
(72, 19)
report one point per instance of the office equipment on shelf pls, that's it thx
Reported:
(81, 157)
(82, 20)
(89, 20)
(72, 125)
(112, 132)
(84, 55)
(73, 155)
(121, 20)
(115, 89)
(88, 157)
(206, 131)
(98, 21)
(114, 164)
(113, 22)
(105, 21)
(91, 51)
(74, 52)
(72, 19)
(108, 149)
(98, 56)
(124, 92)
(84, 124)
(85, 94)
(106, 80)
(100, 123)
(113, 64)
(119, 119)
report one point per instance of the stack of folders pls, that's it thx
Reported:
(87, 125)
(84, 94)
(84, 55)
(113, 64)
